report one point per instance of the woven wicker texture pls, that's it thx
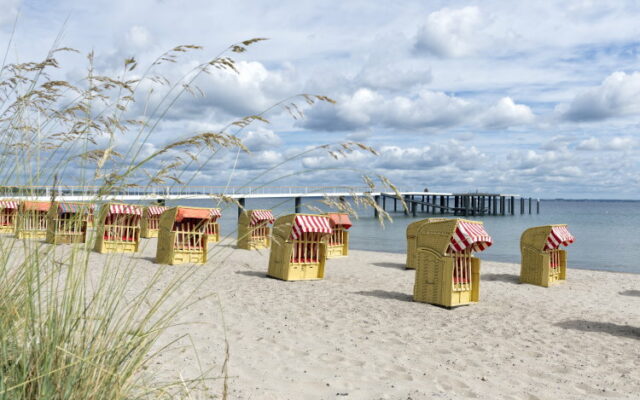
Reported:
(31, 221)
(118, 232)
(338, 242)
(150, 224)
(412, 231)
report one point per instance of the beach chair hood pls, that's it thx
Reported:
(259, 216)
(10, 204)
(339, 219)
(559, 235)
(126, 209)
(36, 206)
(214, 213)
(73, 208)
(469, 235)
(156, 210)
(197, 213)
(309, 224)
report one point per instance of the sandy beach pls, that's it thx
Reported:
(357, 334)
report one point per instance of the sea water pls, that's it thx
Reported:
(607, 232)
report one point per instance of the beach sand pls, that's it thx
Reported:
(357, 334)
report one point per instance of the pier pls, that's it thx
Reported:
(453, 204)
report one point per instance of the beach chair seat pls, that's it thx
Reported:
(118, 228)
(299, 247)
(543, 262)
(447, 273)
(182, 237)
(254, 231)
(338, 241)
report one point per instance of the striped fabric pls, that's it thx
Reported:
(257, 216)
(469, 235)
(309, 223)
(215, 213)
(125, 209)
(8, 204)
(73, 208)
(559, 235)
(156, 210)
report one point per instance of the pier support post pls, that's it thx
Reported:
(503, 205)
(414, 208)
(422, 205)
(298, 204)
(241, 208)
(407, 203)
(538, 206)
(530, 205)
(384, 203)
(521, 205)
(441, 204)
(395, 204)
(375, 210)
(513, 205)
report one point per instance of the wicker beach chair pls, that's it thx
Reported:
(299, 247)
(67, 223)
(183, 236)
(543, 263)
(213, 227)
(412, 231)
(253, 229)
(118, 228)
(150, 224)
(8, 215)
(32, 220)
(447, 274)
(338, 242)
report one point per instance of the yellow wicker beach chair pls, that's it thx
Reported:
(338, 242)
(67, 223)
(253, 229)
(91, 218)
(8, 215)
(118, 228)
(183, 237)
(299, 247)
(447, 274)
(150, 224)
(32, 220)
(543, 263)
(213, 227)
(412, 231)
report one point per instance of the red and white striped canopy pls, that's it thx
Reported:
(73, 208)
(559, 235)
(156, 210)
(310, 223)
(258, 216)
(215, 213)
(469, 235)
(125, 209)
(8, 204)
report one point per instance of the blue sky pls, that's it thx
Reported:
(537, 98)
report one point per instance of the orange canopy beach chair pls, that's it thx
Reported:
(543, 262)
(254, 231)
(118, 228)
(32, 220)
(299, 247)
(150, 224)
(67, 223)
(183, 236)
(8, 215)
(447, 273)
(338, 242)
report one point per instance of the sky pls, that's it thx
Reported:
(540, 99)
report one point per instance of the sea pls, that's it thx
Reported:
(607, 232)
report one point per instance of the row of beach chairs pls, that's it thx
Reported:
(441, 250)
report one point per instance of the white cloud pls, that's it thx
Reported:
(506, 113)
(138, 37)
(618, 95)
(261, 139)
(9, 11)
(450, 32)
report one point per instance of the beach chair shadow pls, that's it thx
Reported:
(508, 278)
(387, 295)
(260, 274)
(635, 293)
(610, 328)
(391, 265)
